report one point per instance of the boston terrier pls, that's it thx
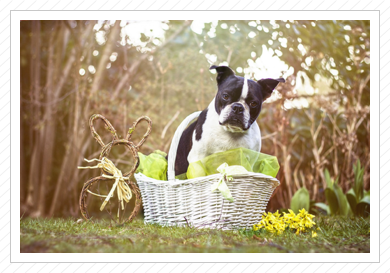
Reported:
(229, 120)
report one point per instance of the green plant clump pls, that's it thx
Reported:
(356, 201)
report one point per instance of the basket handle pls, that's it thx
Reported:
(175, 143)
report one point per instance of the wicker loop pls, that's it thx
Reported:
(108, 127)
(106, 149)
(129, 145)
(83, 197)
(131, 130)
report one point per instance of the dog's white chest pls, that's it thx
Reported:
(215, 139)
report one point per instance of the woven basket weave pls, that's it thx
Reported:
(181, 202)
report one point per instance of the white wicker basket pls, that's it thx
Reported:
(181, 202)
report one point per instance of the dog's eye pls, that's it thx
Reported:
(253, 104)
(225, 96)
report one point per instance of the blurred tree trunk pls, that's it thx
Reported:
(34, 133)
(47, 133)
(57, 75)
(72, 154)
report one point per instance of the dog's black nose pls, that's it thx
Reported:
(238, 108)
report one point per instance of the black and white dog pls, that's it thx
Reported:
(229, 120)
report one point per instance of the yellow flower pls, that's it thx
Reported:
(277, 214)
(276, 224)
(289, 215)
(303, 212)
(306, 218)
(272, 222)
(313, 234)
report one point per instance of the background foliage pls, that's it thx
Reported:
(319, 119)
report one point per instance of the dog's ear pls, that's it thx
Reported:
(269, 86)
(223, 72)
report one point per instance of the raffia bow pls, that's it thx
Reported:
(227, 173)
(123, 189)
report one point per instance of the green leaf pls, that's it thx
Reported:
(351, 197)
(328, 180)
(359, 185)
(324, 207)
(363, 207)
(344, 208)
(300, 200)
(366, 193)
(333, 203)
(366, 199)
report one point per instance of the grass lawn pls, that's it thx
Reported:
(336, 234)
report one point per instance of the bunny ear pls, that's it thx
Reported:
(147, 133)
(108, 127)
